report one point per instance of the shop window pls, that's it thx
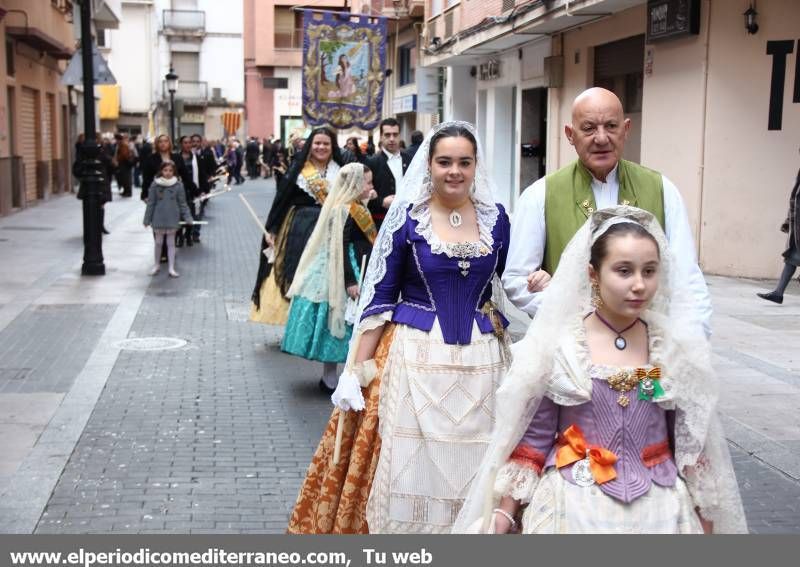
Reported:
(407, 57)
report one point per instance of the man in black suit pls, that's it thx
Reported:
(388, 166)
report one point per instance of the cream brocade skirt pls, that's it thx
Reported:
(436, 414)
(559, 507)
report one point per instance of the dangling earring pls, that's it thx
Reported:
(597, 301)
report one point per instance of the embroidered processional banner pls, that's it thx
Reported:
(344, 58)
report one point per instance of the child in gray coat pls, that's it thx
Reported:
(166, 206)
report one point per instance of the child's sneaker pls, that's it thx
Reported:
(154, 270)
(174, 274)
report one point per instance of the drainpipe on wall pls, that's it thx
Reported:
(703, 127)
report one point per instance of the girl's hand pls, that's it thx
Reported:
(352, 291)
(538, 281)
(270, 238)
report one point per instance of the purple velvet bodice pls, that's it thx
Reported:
(637, 434)
(420, 286)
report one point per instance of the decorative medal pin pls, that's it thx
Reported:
(455, 219)
(582, 472)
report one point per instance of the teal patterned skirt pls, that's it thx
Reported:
(307, 333)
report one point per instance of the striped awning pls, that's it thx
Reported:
(231, 122)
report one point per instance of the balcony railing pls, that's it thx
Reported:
(288, 38)
(189, 91)
(184, 21)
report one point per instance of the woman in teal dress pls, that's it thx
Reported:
(328, 274)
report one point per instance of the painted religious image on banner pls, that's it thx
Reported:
(344, 64)
(344, 75)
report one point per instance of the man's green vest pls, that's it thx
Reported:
(569, 201)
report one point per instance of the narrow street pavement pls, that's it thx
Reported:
(206, 427)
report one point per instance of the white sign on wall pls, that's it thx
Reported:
(427, 79)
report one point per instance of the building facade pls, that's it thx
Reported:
(201, 40)
(713, 106)
(34, 106)
(273, 61)
(38, 114)
(273, 57)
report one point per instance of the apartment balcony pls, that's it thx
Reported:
(190, 92)
(403, 8)
(184, 23)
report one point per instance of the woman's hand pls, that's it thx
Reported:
(352, 291)
(270, 238)
(708, 525)
(502, 525)
(538, 281)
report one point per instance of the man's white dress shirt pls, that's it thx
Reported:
(395, 162)
(526, 251)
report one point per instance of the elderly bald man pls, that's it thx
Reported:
(551, 211)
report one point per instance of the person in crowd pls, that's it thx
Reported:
(416, 140)
(328, 274)
(266, 157)
(137, 168)
(370, 151)
(150, 166)
(354, 148)
(251, 155)
(219, 151)
(191, 165)
(609, 409)
(550, 211)
(291, 220)
(428, 334)
(296, 144)
(166, 206)
(388, 167)
(125, 159)
(107, 170)
(239, 151)
(791, 256)
(279, 166)
(208, 167)
(233, 163)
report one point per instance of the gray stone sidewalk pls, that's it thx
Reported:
(215, 435)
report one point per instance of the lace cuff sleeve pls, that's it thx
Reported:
(374, 321)
(516, 481)
(520, 475)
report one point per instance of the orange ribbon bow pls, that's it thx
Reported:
(574, 448)
(653, 373)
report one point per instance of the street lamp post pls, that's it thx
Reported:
(172, 86)
(91, 170)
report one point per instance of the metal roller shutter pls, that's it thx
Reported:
(48, 144)
(622, 57)
(29, 132)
